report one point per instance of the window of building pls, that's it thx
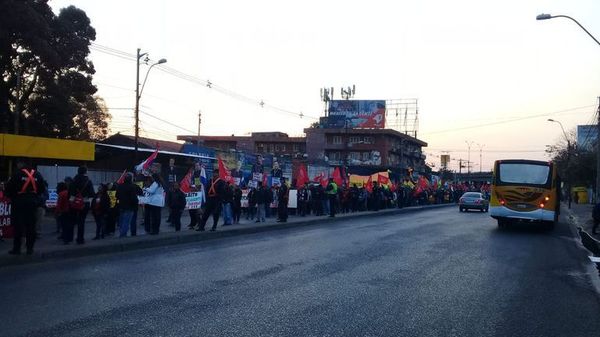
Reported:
(337, 140)
(335, 155)
(368, 140)
(355, 155)
(366, 156)
(296, 148)
(355, 140)
(277, 148)
(271, 148)
(282, 147)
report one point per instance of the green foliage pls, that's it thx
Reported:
(46, 77)
(576, 167)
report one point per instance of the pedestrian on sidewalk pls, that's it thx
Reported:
(127, 201)
(214, 201)
(196, 186)
(155, 201)
(100, 209)
(251, 204)
(177, 205)
(81, 193)
(113, 210)
(24, 189)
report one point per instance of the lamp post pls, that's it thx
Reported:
(546, 17)
(138, 94)
(469, 144)
(568, 157)
(480, 146)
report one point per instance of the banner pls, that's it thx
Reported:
(293, 199)
(6, 229)
(356, 114)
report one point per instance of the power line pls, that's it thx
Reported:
(508, 121)
(167, 122)
(201, 82)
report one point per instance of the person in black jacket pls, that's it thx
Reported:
(100, 209)
(81, 190)
(237, 204)
(177, 204)
(214, 201)
(282, 205)
(24, 188)
(127, 200)
(263, 199)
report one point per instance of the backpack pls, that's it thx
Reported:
(78, 203)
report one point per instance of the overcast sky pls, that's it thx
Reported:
(482, 71)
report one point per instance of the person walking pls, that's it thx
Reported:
(214, 201)
(282, 201)
(177, 205)
(263, 198)
(332, 191)
(81, 193)
(227, 205)
(251, 204)
(155, 201)
(62, 209)
(100, 209)
(127, 201)
(24, 189)
(171, 175)
(237, 204)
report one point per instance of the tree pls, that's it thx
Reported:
(46, 78)
(576, 166)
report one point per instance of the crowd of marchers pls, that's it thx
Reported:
(117, 209)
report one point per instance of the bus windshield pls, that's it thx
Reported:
(521, 173)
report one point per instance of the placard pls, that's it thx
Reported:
(6, 229)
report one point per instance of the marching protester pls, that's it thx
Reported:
(282, 201)
(237, 204)
(176, 205)
(251, 211)
(81, 192)
(214, 201)
(227, 205)
(127, 200)
(155, 201)
(24, 188)
(61, 211)
(100, 209)
(263, 199)
(196, 185)
(331, 191)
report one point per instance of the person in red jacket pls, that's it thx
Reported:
(62, 208)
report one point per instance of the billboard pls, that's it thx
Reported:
(445, 159)
(356, 114)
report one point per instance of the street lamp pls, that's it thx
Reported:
(546, 17)
(138, 94)
(480, 146)
(469, 144)
(568, 157)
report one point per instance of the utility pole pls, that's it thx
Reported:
(199, 123)
(469, 144)
(480, 155)
(137, 100)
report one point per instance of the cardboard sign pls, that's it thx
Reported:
(6, 229)
(293, 199)
(52, 198)
(194, 200)
(245, 201)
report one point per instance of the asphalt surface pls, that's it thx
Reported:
(434, 273)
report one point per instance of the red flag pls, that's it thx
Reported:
(369, 184)
(224, 173)
(185, 184)
(337, 176)
(382, 180)
(143, 166)
(302, 176)
(317, 179)
(122, 177)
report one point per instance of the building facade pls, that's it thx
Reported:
(274, 143)
(365, 147)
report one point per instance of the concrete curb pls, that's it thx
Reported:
(174, 238)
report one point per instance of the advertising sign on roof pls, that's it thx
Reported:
(356, 114)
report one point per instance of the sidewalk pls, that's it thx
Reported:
(581, 215)
(49, 247)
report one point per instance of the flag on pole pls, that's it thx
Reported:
(203, 178)
(337, 176)
(302, 176)
(143, 166)
(224, 173)
(122, 177)
(369, 184)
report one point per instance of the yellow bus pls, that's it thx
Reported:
(525, 191)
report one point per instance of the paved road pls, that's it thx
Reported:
(434, 273)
